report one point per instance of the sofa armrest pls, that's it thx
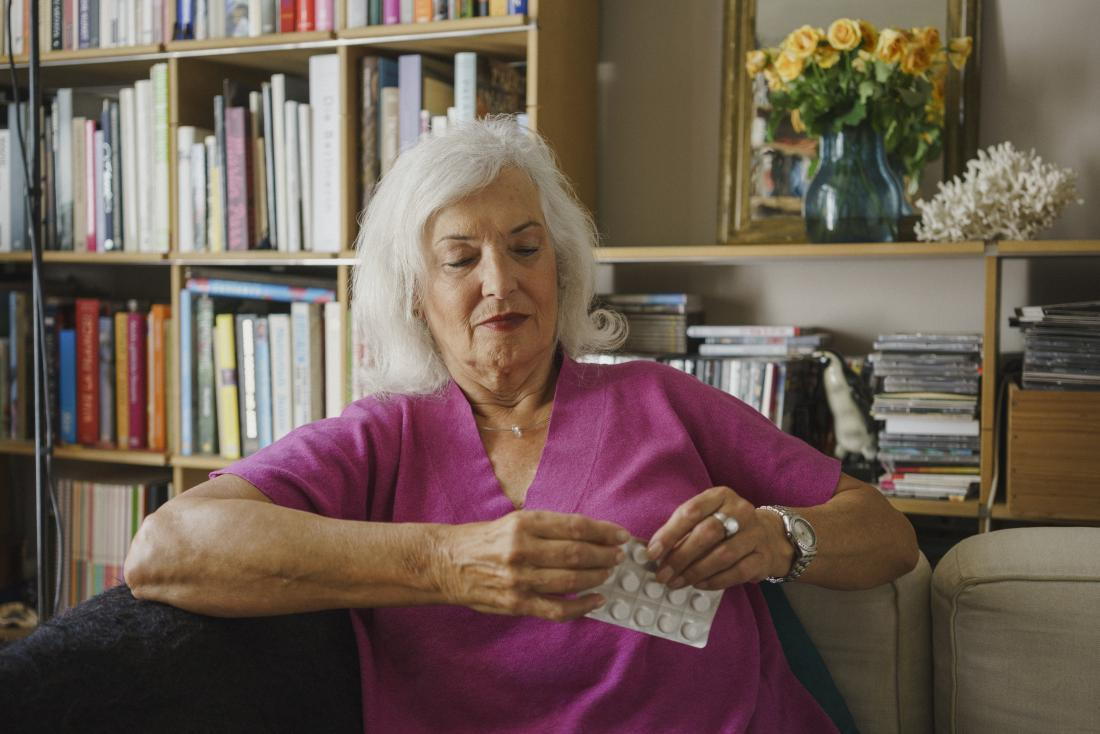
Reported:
(1016, 630)
(115, 663)
(877, 647)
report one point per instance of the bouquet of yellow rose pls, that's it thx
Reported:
(855, 73)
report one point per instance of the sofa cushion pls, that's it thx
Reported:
(876, 643)
(1015, 619)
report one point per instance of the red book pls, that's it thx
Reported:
(422, 11)
(288, 19)
(91, 196)
(236, 178)
(135, 358)
(305, 15)
(87, 371)
(157, 380)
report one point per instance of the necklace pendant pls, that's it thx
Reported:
(517, 432)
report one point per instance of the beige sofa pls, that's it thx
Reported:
(1003, 637)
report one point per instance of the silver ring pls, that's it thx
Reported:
(729, 524)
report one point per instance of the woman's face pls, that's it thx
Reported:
(490, 296)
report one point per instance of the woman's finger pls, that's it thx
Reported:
(722, 557)
(685, 518)
(703, 539)
(751, 568)
(558, 581)
(561, 526)
(573, 554)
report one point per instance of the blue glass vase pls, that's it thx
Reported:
(854, 196)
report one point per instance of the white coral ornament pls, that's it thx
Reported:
(1005, 194)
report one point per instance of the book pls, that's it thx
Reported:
(87, 370)
(282, 375)
(143, 155)
(293, 184)
(106, 380)
(159, 315)
(205, 376)
(225, 360)
(91, 181)
(305, 172)
(122, 380)
(67, 384)
(328, 198)
(308, 355)
(715, 350)
(702, 331)
(5, 199)
(198, 196)
(237, 161)
(389, 142)
(932, 426)
(214, 212)
(128, 124)
(185, 202)
(334, 363)
(263, 382)
(305, 15)
(465, 86)
(159, 131)
(246, 383)
(229, 288)
(137, 389)
(272, 227)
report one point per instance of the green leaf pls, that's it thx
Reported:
(883, 71)
(912, 98)
(853, 117)
(867, 89)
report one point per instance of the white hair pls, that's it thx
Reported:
(400, 354)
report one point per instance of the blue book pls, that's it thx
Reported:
(259, 291)
(517, 7)
(187, 410)
(66, 346)
(263, 381)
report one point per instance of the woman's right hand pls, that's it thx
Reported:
(523, 563)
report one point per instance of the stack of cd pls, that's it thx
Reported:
(926, 393)
(1061, 345)
(657, 322)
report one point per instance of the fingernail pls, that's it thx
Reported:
(600, 601)
(676, 583)
(622, 536)
(620, 556)
(655, 550)
(664, 574)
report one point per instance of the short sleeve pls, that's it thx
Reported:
(328, 467)
(748, 453)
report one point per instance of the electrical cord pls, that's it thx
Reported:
(38, 323)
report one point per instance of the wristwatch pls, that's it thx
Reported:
(801, 535)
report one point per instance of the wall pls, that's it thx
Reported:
(659, 79)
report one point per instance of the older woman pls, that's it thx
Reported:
(463, 508)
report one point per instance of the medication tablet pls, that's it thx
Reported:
(638, 602)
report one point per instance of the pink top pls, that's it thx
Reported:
(628, 444)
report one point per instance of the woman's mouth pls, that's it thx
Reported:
(504, 321)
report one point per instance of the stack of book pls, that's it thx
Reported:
(926, 392)
(657, 323)
(101, 515)
(389, 12)
(756, 341)
(86, 24)
(1061, 345)
(108, 369)
(258, 357)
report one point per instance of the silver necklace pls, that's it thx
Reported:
(515, 430)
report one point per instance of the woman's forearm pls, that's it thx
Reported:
(236, 558)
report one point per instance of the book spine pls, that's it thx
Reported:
(293, 183)
(410, 83)
(368, 131)
(257, 189)
(128, 124)
(221, 194)
(87, 370)
(67, 358)
(288, 18)
(205, 375)
(498, 7)
(137, 390)
(263, 382)
(213, 197)
(334, 364)
(269, 167)
(225, 358)
(422, 11)
(187, 375)
(158, 375)
(122, 380)
(325, 14)
(305, 15)
(391, 12)
(93, 206)
(356, 14)
(255, 17)
(328, 196)
(306, 172)
(236, 179)
(407, 13)
(101, 191)
(116, 238)
(161, 142)
(106, 380)
(143, 153)
(268, 11)
(465, 86)
(282, 375)
(5, 199)
(260, 291)
(278, 134)
(185, 213)
(389, 142)
(246, 374)
(198, 195)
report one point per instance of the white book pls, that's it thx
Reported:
(334, 364)
(466, 86)
(128, 131)
(143, 153)
(97, 174)
(215, 14)
(328, 195)
(389, 140)
(126, 36)
(5, 204)
(107, 10)
(202, 25)
(91, 185)
(198, 194)
(255, 16)
(933, 426)
(282, 390)
(185, 207)
(269, 14)
(407, 11)
(278, 119)
(355, 14)
(306, 173)
(161, 142)
(146, 17)
(213, 197)
(18, 47)
(308, 355)
(293, 180)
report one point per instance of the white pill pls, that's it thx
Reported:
(691, 631)
(644, 616)
(620, 610)
(639, 555)
(666, 623)
(630, 581)
(700, 602)
(654, 590)
(678, 596)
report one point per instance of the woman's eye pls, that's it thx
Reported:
(526, 250)
(459, 263)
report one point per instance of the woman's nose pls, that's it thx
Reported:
(498, 278)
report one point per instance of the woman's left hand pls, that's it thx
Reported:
(692, 548)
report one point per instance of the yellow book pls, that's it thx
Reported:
(225, 366)
(122, 381)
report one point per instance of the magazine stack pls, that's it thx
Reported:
(1061, 345)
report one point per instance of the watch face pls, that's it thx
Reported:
(803, 533)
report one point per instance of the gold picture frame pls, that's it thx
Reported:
(735, 222)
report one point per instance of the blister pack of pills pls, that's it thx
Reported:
(637, 601)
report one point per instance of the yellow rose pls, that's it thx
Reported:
(868, 34)
(960, 49)
(891, 45)
(938, 90)
(916, 59)
(844, 34)
(803, 41)
(775, 84)
(788, 66)
(796, 121)
(929, 37)
(755, 61)
(826, 57)
(859, 65)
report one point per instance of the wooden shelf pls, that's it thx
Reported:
(117, 54)
(256, 257)
(942, 508)
(719, 254)
(1001, 512)
(499, 35)
(200, 461)
(1045, 248)
(270, 41)
(90, 258)
(83, 453)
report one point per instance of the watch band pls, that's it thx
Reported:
(803, 553)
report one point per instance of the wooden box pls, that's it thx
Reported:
(1054, 454)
